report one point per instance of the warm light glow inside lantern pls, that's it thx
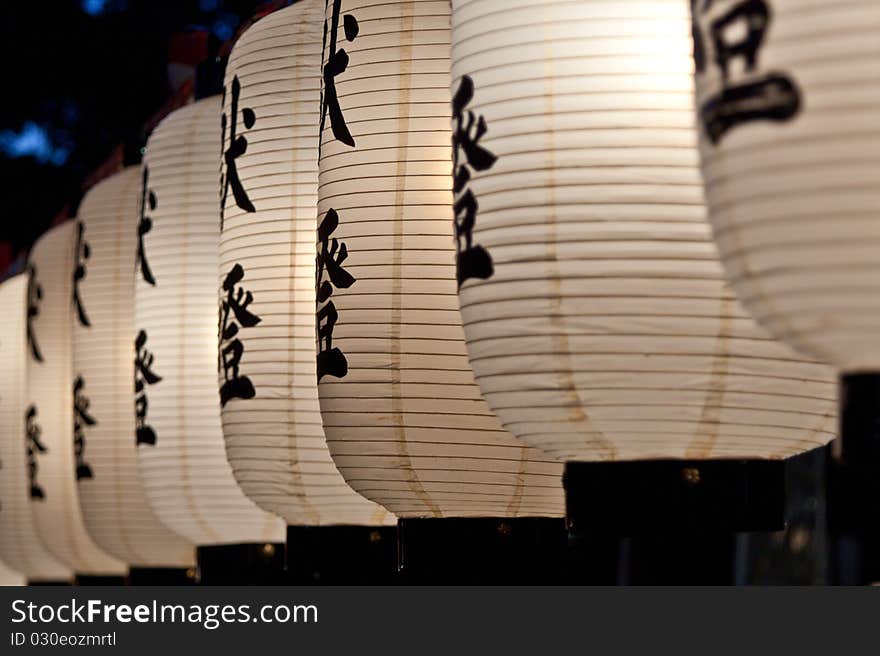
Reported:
(111, 489)
(271, 418)
(53, 457)
(20, 545)
(597, 317)
(180, 441)
(403, 416)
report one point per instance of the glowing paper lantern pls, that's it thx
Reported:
(20, 544)
(49, 414)
(271, 417)
(790, 159)
(114, 503)
(403, 416)
(597, 318)
(180, 441)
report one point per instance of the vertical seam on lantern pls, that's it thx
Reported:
(379, 516)
(291, 450)
(703, 441)
(129, 191)
(19, 471)
(302, 48)
(576, 409)
(413, 480)
(316, 16)
(21, 485)
(191, 133)
(732, 227)
(519, 488)
(76, 552)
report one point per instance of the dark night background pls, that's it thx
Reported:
(81, 77)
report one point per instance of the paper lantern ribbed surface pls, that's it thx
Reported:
(404, 419)
(20, 544)
(597, 318)
(183, 460)
(49, 414)
(787, 98)
(274, 437)
(114, 503)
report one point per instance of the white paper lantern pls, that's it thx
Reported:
(404, 418)
(114, 503)
(787, 98)
(182, 456)
(20, 544)
(598, 321)
(49, 413)
(271, 418)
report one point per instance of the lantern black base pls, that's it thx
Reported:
(48, 583)
(341, 555)
(484, 551)
(140, 576)
(853, 483)
(860, 419)
(241, 564)
(676, 521)
(88, 580)
(656, 496)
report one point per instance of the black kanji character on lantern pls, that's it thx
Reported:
(725, 31)
(81, 418)
(33, 446)
(34, 296)
(230, 348)
(330, 361)
(335, 64)
(471, 261)
(82, 254)
(148, 200)
(143, 376)
(237, 147)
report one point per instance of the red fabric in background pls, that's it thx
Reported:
(6, 256)
(188, 47)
